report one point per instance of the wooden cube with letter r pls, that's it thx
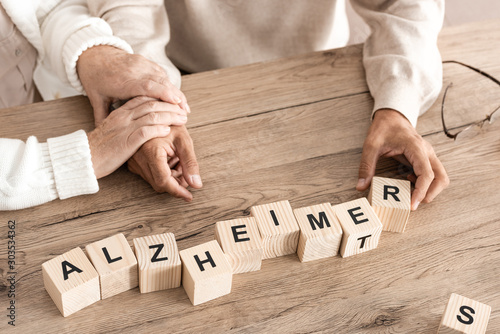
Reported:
(361, 227)
(71, 281)
(391, 201)
(464, 315)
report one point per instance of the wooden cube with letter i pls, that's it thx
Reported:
(320, 232)
(464, 315)
(159, 263)
(206, 273)
(391, 201)
(71, 281)
(361, 227)
(278, 228)
(115, 263)
(241, 242)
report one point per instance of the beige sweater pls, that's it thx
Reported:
(402, 62)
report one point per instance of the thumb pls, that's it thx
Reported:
(367, 166)
(187, 158)
(101, 109)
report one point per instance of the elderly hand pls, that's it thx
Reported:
(121, 134)
(169, 164)
(392, 135)
(109, 74)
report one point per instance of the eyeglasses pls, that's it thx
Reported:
(475, 128)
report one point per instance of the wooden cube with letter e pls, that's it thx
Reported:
(159, 263)
(115, 263)
(278, 228)
(464, 315)
(71, 281)
(241, 242)
(206, 273)
(320, 232)
(361, 227)
(391, 201)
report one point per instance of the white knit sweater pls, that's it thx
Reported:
(33, 173)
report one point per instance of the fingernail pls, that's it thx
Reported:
(183, 118)
(188, 108)
(361, 183)
(178, 99)
(196, 180)
(415, 206)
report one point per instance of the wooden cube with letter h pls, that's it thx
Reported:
(159, 263)
(320, 232)
(361, 227)
(241, 242)
(278, 228)
(206, 273)
(464, 315)
(391, 201)
(71, 281)
(115, 263)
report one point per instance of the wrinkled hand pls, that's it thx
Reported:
(109, 74)
(169, 164)
(392, 135)
(121, 134)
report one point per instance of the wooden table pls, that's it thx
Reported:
(290, 129)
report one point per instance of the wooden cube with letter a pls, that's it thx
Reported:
(206, 273)
(115, 263)
(241, 242)
(361, 227)
(464, 315)
(320, 232)
(159, 263)
(71, 281)
(278, 228)
(391, 201)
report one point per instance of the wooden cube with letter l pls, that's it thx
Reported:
(115, 263)
(320, 232)
(71, 281)
(464, 315)
(278, 228)
(241, 242)
(206, 273)
(158, 261)
(360, 225)
(391, 201)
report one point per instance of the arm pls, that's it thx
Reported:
(404, 74)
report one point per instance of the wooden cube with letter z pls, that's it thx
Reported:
(361, 227)
(278, 228)
(115, 263)
(158, 261)
(71, 281)
(241, 242)
(206, 273)
(320, 232)
(464, 315)
(391, 201)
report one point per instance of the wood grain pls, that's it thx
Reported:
(266, 133)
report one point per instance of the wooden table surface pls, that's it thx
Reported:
(290, 129)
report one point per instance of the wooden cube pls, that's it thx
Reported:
(464, 315)
(206, 273)
(320, 232)
(115, 263)
(159, 263)
(71, 281)
(278, 228)
(391, 201)
(241, 243)
(361, 227)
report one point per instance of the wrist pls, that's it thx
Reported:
(390, 115)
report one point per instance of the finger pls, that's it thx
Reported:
(156, 106)
(142, 134)
(101, 110)
(369, 158)
(423, 170)
(188, 162)
(137, 101)
(139, 169)
(181, 180)
(159, 88)
(172, 162)
(160, 118)
(441, 180)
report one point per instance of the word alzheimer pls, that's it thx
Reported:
(75, 281)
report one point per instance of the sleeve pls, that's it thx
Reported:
(34, 173)
(67, 31)
(401, 59)
(144, 25)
